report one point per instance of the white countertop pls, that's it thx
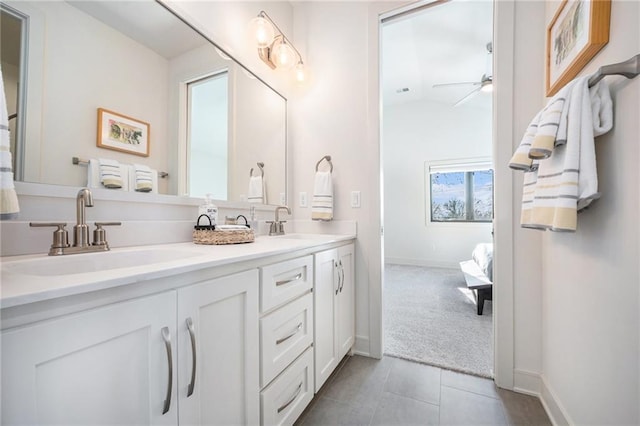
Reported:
(35, 278)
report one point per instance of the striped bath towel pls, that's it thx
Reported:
(9, 206)
(322, 203)
(143, 176)
(110, 173)
(566, 181)
(547, 130)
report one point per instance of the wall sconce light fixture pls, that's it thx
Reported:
(274, 48)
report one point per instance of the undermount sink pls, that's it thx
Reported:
(95, 262)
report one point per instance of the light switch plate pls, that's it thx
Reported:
(355, 199)
(303, 200)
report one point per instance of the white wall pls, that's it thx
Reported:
(591, 310)
(415, 133)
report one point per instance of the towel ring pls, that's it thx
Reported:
(328, 158)
(260, 166)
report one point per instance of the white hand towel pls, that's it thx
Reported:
(257, 190)
(322, 203)
(143, 177)
(110, 173)
(9, 206)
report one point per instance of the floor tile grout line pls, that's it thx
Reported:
(470, 391)
(411, 398)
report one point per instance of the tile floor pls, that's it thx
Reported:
(392, 391)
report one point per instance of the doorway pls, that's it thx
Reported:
(438, 183)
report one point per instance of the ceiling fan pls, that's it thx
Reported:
(485, 84)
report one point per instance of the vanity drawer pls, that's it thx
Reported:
(285, 281)
(284, 335)
(285, 399)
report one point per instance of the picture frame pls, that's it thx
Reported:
(578, 30)
(122, 133)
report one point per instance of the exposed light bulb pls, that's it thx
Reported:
(283, 56)
(262, 30)
(300, 74)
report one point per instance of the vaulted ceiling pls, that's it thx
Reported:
(445, 43)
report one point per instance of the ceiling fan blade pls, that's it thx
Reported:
(467, 97)
(465, 83)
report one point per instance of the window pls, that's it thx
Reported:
(207, 136)
(460, 192)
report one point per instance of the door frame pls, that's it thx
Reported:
(503, 294)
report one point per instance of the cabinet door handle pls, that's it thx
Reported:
(289, 336)
(338, 288)
(192, 335)
(167, 342)
(283, 282)
(293, 398)
(342, 274)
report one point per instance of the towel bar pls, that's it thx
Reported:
(629, 68)
(328, 158)
(260, 166)
(80, 162)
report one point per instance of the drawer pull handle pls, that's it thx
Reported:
(192, 335)
(293, 398)
(289, 336)
(167, 342)
(283, 282)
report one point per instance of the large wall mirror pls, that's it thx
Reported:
(211, 121)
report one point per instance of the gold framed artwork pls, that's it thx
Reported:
(122, 133)
(578, 30)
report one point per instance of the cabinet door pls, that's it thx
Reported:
(222, 317)
(346, 322)
(325, 291)
(109, 365)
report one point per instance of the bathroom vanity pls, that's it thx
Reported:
(175, 334)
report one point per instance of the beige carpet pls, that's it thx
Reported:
(430, 317)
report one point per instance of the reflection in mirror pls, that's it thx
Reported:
(210, 119)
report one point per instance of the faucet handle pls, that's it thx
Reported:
(60, 235)
(100, 235)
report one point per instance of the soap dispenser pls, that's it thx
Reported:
(209, 209)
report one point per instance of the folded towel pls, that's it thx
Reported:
(322, 203)
(566, 181)
(547, 130)
(257, 190)
(9, 206)
(143, 176)
(231, 228)
(110, 173)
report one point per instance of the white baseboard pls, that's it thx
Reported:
(534, 384)
(556, 412)
(421, 262)
(527, 382)
(362, 346)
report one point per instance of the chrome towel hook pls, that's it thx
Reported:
(328, 158)
(260, 166)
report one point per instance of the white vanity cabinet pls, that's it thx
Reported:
(218, 351)
(286, 337)
(110, 365)
(334, 309)
(133, 362)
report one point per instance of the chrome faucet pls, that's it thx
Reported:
(277, 227)
(81, 230)
(81, 242)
